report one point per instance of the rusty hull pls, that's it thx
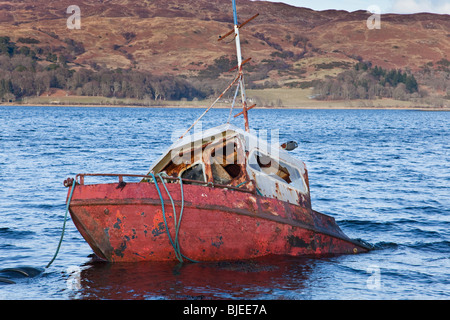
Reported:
(243, 198)
(126, 224)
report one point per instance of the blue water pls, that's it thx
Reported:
(383, 174)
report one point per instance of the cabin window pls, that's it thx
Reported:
(276, 169)
(194, 172)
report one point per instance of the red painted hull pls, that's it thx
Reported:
(127, 224)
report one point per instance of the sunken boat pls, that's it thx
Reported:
(219, 194)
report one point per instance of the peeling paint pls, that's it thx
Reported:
(295, 241)
(117, 224)
(159, 230)
(217, 243)
(120, 251)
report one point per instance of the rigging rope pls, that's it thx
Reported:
(213, 104)
(234, 101)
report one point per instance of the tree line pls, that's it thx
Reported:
(22, 74)
(29, 68)
(367, 82)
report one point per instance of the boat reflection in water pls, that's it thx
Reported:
(273, 277)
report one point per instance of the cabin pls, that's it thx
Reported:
(229, 156)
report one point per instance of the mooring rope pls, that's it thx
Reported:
(64, 225)
(177, 222)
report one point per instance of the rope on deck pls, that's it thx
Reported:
(177, 223)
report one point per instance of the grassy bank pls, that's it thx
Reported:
(104, 101)
(265, 98)
(302, 98)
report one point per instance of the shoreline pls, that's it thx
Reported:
(199, 106)
(269, 98)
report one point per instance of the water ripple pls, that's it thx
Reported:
(382, 174)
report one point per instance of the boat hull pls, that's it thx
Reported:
(128, 223)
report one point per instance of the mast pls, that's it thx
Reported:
(241, 73)
(240, 77)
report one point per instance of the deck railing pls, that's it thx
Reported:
(80, 179)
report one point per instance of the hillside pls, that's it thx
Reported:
(289, 46)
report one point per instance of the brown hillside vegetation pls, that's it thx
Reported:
(288, 45)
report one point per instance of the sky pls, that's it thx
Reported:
(386, 6)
